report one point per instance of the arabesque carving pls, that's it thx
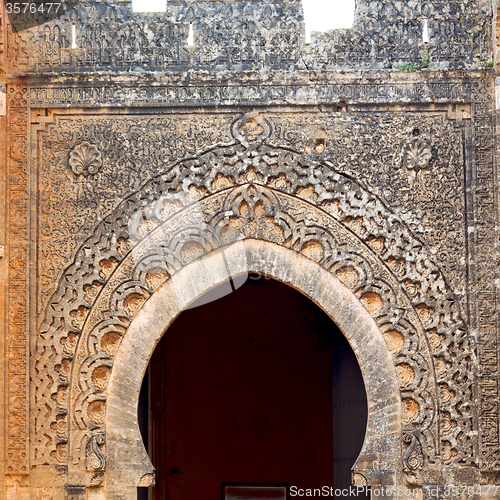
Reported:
(256, 36)
(364, 146)
(96, 461)
(254, 190)
(17, 232)
(413, 458)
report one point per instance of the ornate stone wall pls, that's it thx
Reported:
(383, 182)
(256, 36)
(249, 163)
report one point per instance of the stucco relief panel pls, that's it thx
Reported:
(370, 147)
(279, 194)
(373, 148)
(90, 164)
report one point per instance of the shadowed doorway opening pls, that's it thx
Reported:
(257, 386)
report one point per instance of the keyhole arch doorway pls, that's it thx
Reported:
(383, 431)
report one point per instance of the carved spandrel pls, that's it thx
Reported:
(119, 155)
(357, 144)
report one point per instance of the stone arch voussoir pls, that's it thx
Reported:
(380, 457)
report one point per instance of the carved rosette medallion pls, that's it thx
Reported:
(85, 159)
(416, 154)
(359, 480)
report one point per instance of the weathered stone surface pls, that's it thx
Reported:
(256, 35)
(360, 169)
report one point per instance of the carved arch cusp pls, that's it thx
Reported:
(380, 454)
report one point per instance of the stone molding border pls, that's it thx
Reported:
(128, 463)
(326, 88)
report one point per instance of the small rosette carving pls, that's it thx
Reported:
(416, 154)
(251, 128)
(85, 159)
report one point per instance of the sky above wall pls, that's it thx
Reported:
(324, 15)
(320, 15)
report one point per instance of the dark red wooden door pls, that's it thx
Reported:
(241, 391)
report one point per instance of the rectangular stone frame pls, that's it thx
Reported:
(472, 91)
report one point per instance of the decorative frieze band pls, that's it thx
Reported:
(484, 248)
(250, 94)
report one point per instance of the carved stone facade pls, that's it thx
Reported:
(330, 166)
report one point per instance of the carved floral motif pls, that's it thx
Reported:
(251, 127)
(85, 159)
(416, 154)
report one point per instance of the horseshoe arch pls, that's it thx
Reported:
(311, 219)
(383, 432)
